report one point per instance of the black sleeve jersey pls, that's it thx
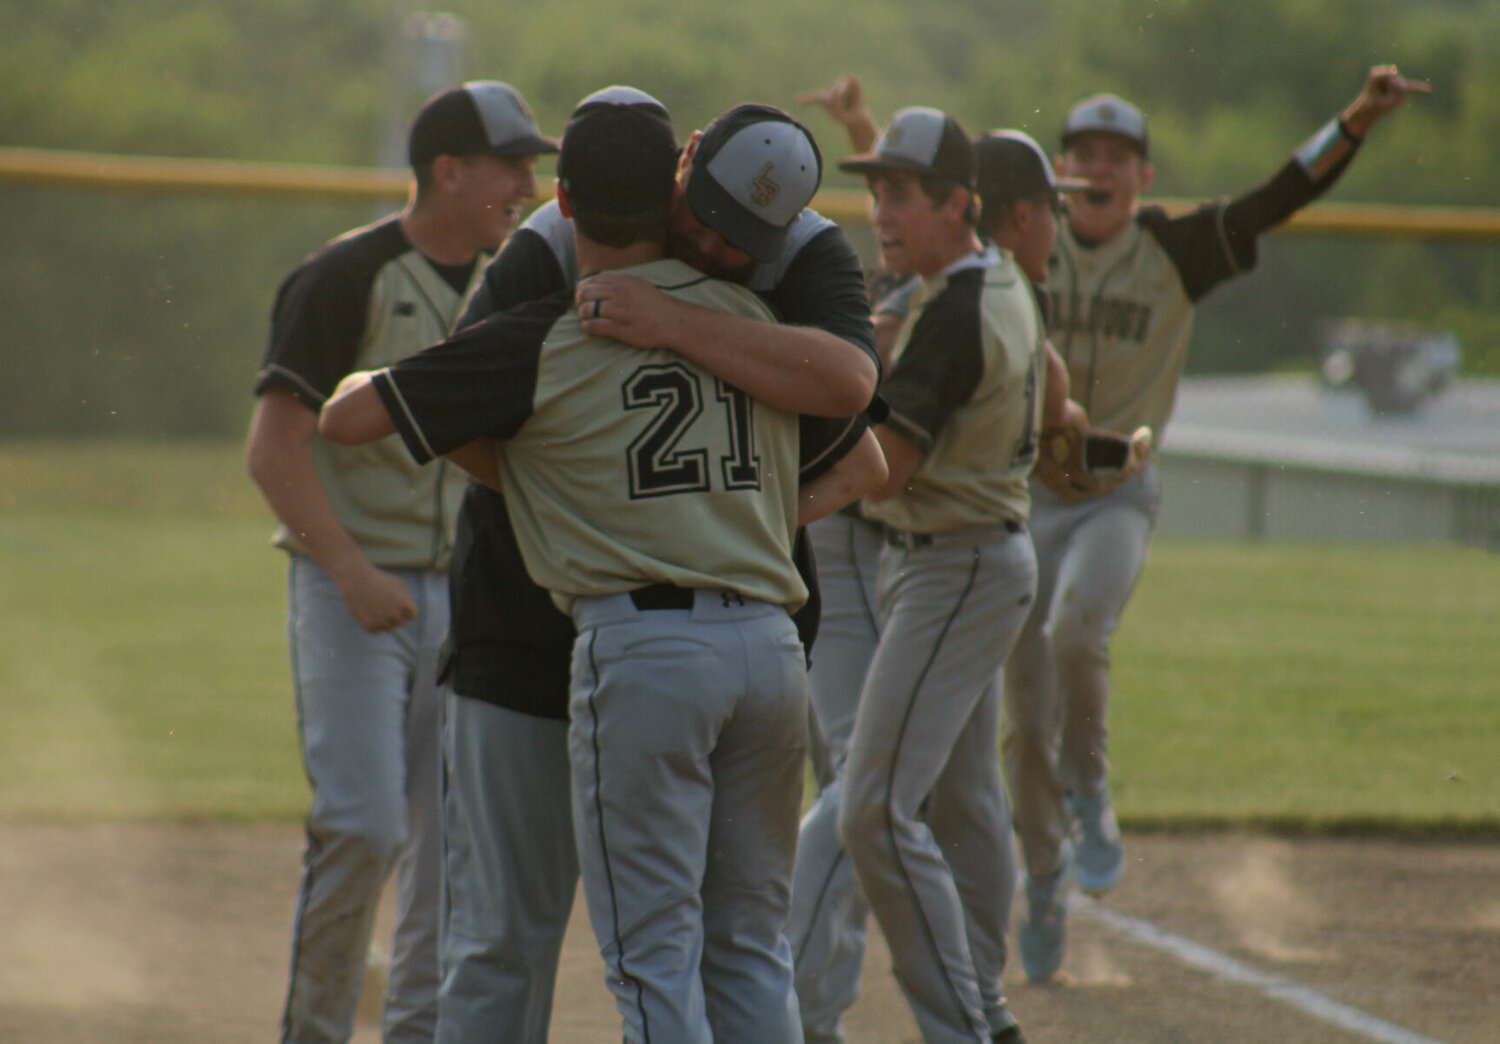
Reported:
(526, 269)
(320, 313)
(476, 384)
(824, 286)
(1218, 240)
(941, 364)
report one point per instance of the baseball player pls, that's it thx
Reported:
(511, 866)
(1020, 195)
(658, 504)
(1123, 282)
(919, 808)
(369, 535)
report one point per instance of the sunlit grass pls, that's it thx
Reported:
(143, 668)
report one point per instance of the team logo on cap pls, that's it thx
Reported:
(766, 190)
(1107, 113)
(894, 135)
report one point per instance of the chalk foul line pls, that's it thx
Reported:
(1225, 967)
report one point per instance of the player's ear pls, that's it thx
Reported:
(685, 160)
(445, 170)
(1147, 173)
(958, 203)
(562, 201)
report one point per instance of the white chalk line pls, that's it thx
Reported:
(1225, 967)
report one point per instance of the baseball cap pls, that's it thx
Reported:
(618, 160)
(620, 95)
(1012, 167)
(754, 171)
(1106, 114)
(920, 141)
(482, 117)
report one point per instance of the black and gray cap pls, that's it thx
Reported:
(920, 141)
(618, 158)
(483, 117)
(1013, 167)
(620, 95)
(1106, 114)
(754, 171)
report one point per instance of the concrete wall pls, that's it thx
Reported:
(1221, 497)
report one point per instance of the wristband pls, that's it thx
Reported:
(1326, 149)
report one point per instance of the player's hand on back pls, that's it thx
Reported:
(379, 601)
(627, 309)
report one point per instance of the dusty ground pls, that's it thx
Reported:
(170, 934)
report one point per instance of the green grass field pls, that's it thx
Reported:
(143, 670)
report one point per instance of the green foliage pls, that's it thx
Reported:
(146, 314)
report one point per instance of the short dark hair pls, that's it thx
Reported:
(617, 170)
(936, 188)
(992, 214)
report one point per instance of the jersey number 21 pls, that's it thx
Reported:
(659, 465)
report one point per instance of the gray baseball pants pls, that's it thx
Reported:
(923, 815)
(828, 915)
(688, 742)
(368, 713)
(512, 872)
(1089, 554)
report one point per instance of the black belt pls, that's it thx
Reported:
(662, 596)
(901, 538)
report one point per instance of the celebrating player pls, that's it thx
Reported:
(667, 533)
(920, 809)
(369, 535)
(1124, 282)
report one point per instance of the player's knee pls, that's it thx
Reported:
(374, 845)
(1077, 632)
(860, 824)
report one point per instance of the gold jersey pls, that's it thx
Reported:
(965, 384)
(635, 466)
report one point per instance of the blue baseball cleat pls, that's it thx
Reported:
(1043, 932)
(1098, 857)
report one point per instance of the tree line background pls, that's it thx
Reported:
(146, 314)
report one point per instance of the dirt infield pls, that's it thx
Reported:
(171, 934)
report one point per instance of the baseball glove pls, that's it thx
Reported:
(1077, 464)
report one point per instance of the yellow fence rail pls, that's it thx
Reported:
(50, 167)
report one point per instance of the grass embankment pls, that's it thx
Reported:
(143, 670)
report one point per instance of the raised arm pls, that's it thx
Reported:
(844, 101)
(1384, 91)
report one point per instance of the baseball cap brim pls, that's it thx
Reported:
(871, 163)
(712, 204)
(535, 145)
